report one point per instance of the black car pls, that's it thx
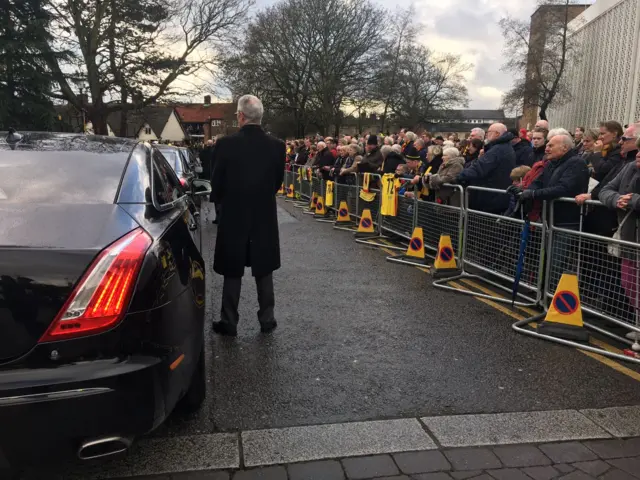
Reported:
(102, 295)
(179, 163)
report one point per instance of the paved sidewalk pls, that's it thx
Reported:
(612, 459)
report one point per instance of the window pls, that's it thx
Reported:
(147, 130)
(216, 123)
(165, 186)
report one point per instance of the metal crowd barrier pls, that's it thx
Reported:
(491, 249)
(305, 185)
(347, 190)
(404, 222)
(608, 284)
(438, 219)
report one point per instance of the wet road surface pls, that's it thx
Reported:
(360, 338)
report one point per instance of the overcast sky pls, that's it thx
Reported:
(469, 28)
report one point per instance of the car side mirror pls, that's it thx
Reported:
(200, 187)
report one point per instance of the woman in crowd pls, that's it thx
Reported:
(589, 140)
(622, 194)
(452, 165)
(434, 157)
(473, 152)
(607, 155)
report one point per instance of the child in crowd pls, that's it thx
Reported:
(517, 175)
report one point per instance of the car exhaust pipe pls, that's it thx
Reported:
(103, 447)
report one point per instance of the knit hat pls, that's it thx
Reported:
(372, 140)
(412, 153)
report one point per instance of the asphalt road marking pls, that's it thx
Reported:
(300, 444)
(512, 428)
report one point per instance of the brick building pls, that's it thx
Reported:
(206, 120)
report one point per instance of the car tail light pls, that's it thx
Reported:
(102, 296)
(183, 182)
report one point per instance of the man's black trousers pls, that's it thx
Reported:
(231, 298)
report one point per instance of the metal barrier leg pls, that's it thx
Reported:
(521, 325)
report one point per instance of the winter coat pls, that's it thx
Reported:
(303, 156)
(602, 164)
(523, 153)
(435, 164)
(566, 177)
(447, 173)
(598, 220)
(627, 181)
(492, 170)
(536, 155)
(324, 159)
(206, 159)
(348, 178)
(371, 162)
(392, 161)
(248, 229)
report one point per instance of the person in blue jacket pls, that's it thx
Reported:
(491, 170)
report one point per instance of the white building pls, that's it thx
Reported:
(605, 83)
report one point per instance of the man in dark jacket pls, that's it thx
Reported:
(565, 175)
(539, 144)
(492, 170)
(206, 157)
(324, 161)
(248, 231)
(522, 148)
(373, 160)
(303, 153)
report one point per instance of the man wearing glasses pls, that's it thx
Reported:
(247, 161)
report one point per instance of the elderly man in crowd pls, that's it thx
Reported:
(492, 170)
(542, 124)
(565, 175)
(477, 133)
(324, 160)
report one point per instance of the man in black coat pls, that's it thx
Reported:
(492, 170)
(248, 232)
(566, 175)
(522, 148)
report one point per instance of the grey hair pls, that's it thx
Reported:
(396, 148)
(321, 145)
(386, 150)
(567, 140)
(557, 131)
(418, 141)
(448, 144)
(252, 108)
(478, 131)
(452, 152)
(410, 135)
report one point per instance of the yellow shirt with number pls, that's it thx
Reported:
(389, 193)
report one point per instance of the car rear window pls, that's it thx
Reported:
(173, 158)
(59, 177)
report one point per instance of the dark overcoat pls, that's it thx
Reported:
(248, 172)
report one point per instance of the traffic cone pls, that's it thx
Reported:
(344, 222)
(365, 227)
(445, 264)
(290, 191)
(415, 251)
(281, 191)
(564, 317)
(321, 208)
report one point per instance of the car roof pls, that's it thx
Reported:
(62, 168)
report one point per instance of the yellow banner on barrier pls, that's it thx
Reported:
(328, 198)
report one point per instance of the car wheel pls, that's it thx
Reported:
(197, 391)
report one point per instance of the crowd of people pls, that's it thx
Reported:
(531, 167)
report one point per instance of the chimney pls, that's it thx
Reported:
(207, 99)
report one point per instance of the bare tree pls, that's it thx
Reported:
(321, 54)
(538, 55)
(131, 54)
(402, 33)
(427, 83)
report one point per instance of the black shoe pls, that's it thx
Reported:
(224, 329)
(268, 327)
